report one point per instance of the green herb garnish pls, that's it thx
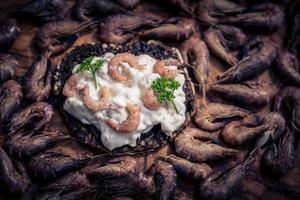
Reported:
(88, 65)
(164, 89)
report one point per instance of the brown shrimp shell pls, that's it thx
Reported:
(90, 135)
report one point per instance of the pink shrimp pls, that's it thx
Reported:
(70, 87)
(150, 100)
(160, 68)
(96, 105)
(131, 123)
(114, 65)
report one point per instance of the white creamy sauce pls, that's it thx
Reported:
(122, 94)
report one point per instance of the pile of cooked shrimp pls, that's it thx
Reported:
(230, 134)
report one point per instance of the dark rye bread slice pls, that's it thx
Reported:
(88, 134)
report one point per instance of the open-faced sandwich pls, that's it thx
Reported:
(124, 98)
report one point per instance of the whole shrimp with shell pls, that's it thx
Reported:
(222, 187)
(87, 9)
(9, 31)
(188, 169)
(174, 29)
(8, 66)
(195, 47)
(56, 37)
(195, 145)
(116, 180)
(114, 168)
(288, 67)
(119, 28)
(72, 181)
(165, 178)
(32, 118)
(42, 11)
(13, 177)
(11, 96)
(135, 185)
(290, 96)
(25, 145)
(237, 133)
(222, 39)
(280, 158)
(37, 80)
(276, 128)
(208, 12)
(246, 93)
(258, 54)
(209, 116)
(49, 165)
(264, 17)
(183, 6)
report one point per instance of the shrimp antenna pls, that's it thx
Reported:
(202, 86)
(276, 96)
(203, 91)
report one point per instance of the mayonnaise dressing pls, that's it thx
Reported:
(122, 94)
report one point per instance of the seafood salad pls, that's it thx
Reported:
(119, 100)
